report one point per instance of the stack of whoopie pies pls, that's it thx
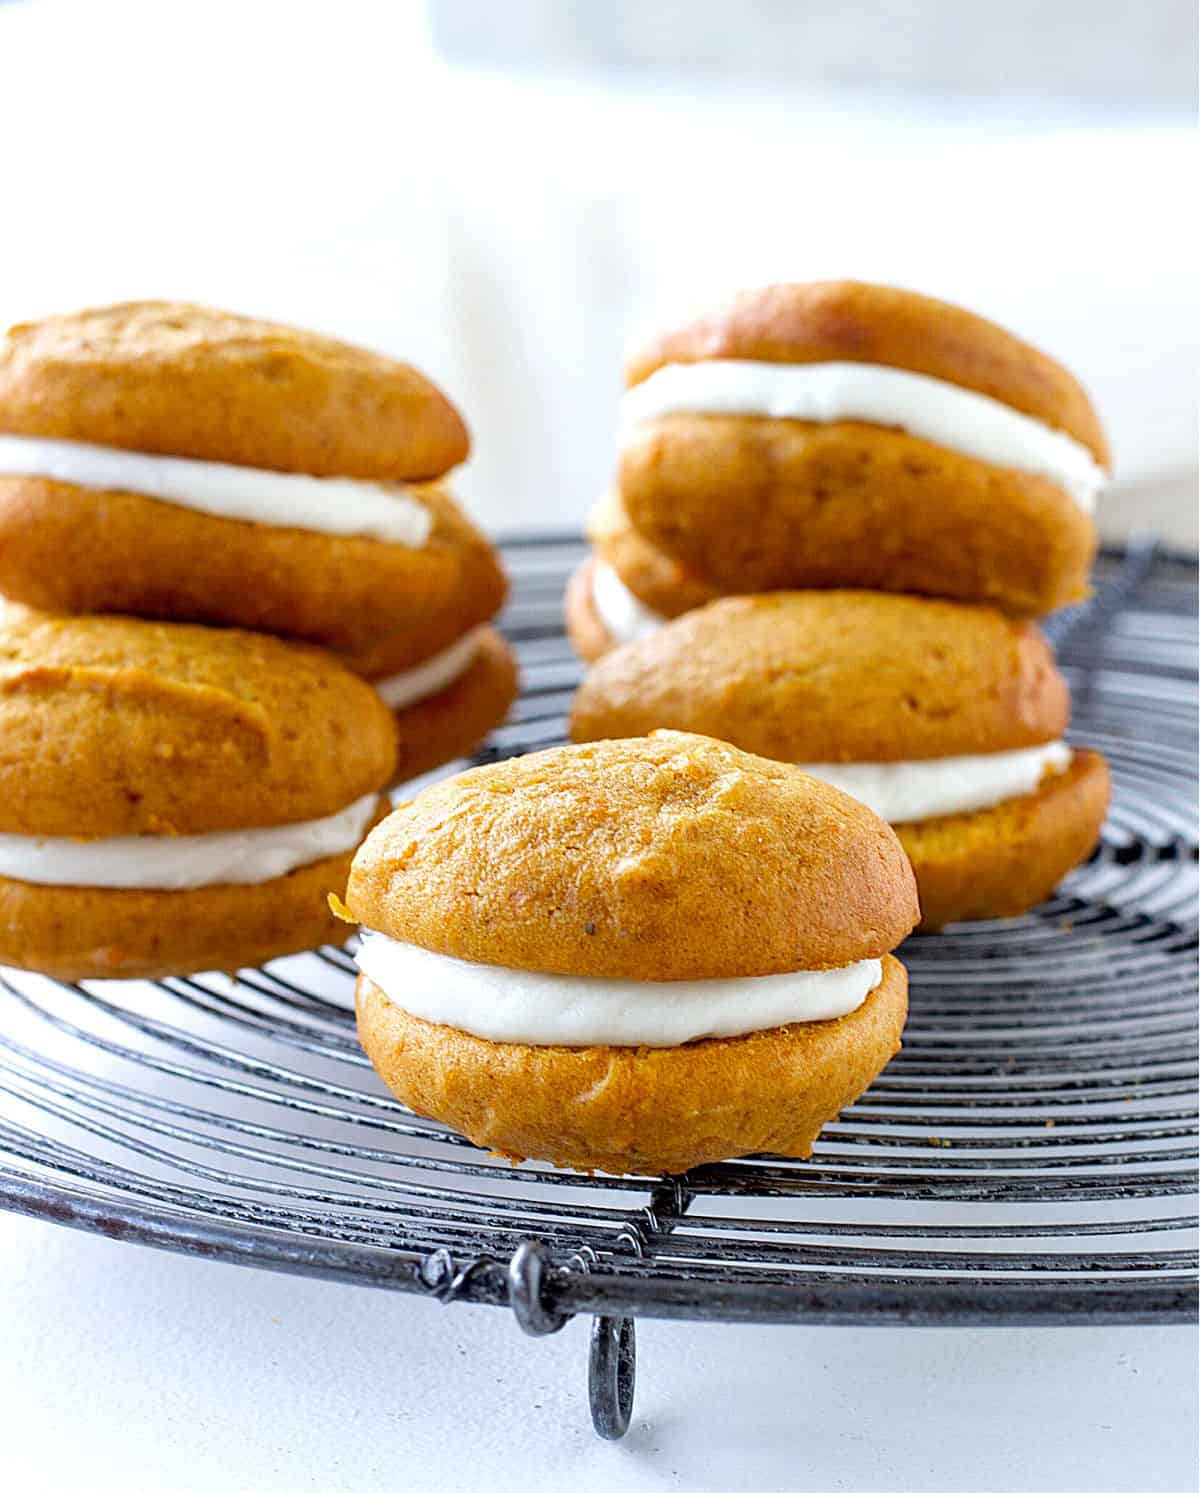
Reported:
(177, 790)
(892, 489)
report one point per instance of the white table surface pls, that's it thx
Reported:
(128, 1368)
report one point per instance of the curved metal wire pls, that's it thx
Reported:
(1026, 1158)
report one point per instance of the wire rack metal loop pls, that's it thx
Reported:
(612, 1375)
(526, 1274)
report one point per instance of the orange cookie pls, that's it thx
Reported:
(626, 589)
(842, 434)
(445, 720)
(655, 579)
(634, 956)
(172, 461)
(945, 719)
(175, 798)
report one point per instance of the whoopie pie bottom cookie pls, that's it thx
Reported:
(637, 1109)
(1000, 862)
(81, 933)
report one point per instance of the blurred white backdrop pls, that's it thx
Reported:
(505, 228)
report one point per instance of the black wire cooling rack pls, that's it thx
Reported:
(1029, 1157)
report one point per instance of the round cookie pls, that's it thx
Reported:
(770, 871)
(158, 379)
(659, 581)
(650, 586)
(834, 676)
(587, 630)
(452, 722)
(149, 744)
(1000, 862)
(755, 502)
(464, 586)
(93, 933)
(671, 859)
(637, 1109)
(926, 703)
(177, 379)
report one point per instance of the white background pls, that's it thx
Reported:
(505, 232)
(508, 231)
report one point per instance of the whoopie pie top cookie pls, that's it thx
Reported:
(669, 858)
(920, 707)
(170, 460)
(173, 379)
(116, 727)
(656, 581)
(840, 433)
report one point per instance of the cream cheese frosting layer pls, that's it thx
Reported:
(513, 1005)
(627, 619)
(172, 863)
(389, 511)
(431, 675)
(959, 419)
(901, 792)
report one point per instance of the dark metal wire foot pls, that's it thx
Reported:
(612, 1375)
(612, 1358)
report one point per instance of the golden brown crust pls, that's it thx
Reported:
(184, 380)
(834, 676)
(65, 548)
(637, 1109)
(586, 629)
(759, 504)
(655, 578)
(96, 933)
(847, 321)
(446, 606)
(667, 858)
(998, 862)
(453, 722)
(111, 726)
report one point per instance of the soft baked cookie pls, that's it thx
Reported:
(945, 719)
(627, 588)
(841, 434)
(450, 683)
(445, 705)
(172, 461)
(632, 956)
(175, 798)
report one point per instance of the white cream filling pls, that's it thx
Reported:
(289, 500)
(627, 619)
(513, 1005)
(901, 792)
(172, 863)
(959, 419)
(431, 675)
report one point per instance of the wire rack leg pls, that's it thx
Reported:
(612, 1375)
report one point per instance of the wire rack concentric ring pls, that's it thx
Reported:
(1028, 1157)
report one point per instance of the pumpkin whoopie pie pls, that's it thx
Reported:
(175, 798)
(627, 588)
(632, 956)
(947, 720)
(171, 461)
(841, 434)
